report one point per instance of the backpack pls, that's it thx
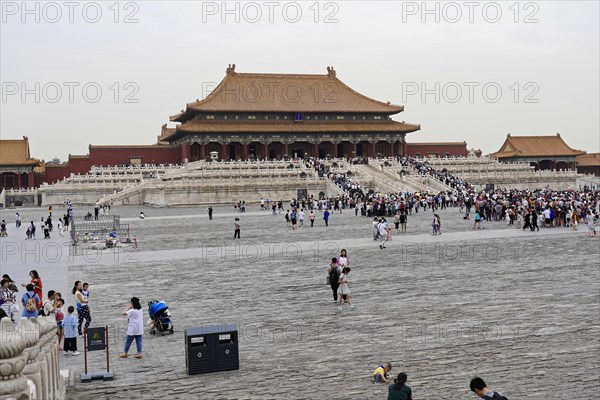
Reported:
(59, 316)
(31, 305)
(42, 311)
(496, 396)
(334, 275)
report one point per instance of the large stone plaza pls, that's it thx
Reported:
(519, 309)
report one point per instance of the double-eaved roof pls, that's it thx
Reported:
(250, 92)
(535, 146)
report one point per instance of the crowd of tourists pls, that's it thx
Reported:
(525, 209)
(33, 304)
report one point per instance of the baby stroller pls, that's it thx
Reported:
(160, 316)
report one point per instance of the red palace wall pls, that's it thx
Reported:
(439, 149)
(122, 155)
(56, 172)
(109, 156)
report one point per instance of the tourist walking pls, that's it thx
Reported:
(343, 289)
(17, 220)
(575, 219)
(83, 307)
(326, 217)
(210, 212)
(399, 390)
(591, 222)
(477, 221)
(236, 226)
(3, 229)
(293, 219)
(527, 220)
(403, 221)
(343, 260)
(436, 225)
(534, 220)
(31, 231)
(382, 227)
(61, 227)
(375, 228)
(311, 218)
(333, 277)
(135, 327)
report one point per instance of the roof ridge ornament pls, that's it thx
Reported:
(230, 70)
(330, 72)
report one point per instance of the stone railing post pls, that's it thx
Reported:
(13, 383)
(29, 332)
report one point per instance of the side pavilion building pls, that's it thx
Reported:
(258, 116)
(541, 152)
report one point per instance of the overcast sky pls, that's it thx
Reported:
(530, 68)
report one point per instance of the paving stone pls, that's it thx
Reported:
(517, 308)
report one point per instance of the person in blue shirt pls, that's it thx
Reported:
(326, 217)
(30, 295)
(70, 324)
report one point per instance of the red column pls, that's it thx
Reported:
(285, 149)
(30, 179)
(19, 180)
(223, 152)
(186, 152)
(354, 149)
(244, 151)
(203, 151)
(373, 150)
(404, 148)
(316, 150)
(335, 150)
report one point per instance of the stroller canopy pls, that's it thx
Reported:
(156, 307)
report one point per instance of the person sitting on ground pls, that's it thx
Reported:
(380, 375)
(399, 391)
(479, 387)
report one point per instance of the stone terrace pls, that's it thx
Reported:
(518, 308)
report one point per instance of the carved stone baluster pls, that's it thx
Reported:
(13, 383)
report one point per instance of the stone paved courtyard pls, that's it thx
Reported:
(519, 309)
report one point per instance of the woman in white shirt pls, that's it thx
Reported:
(343, 289)
(135, 327)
